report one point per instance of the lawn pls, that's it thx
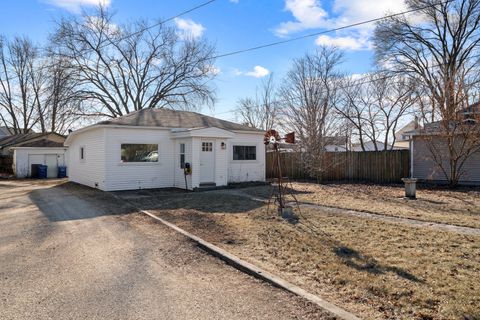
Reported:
(435, 204)
(374, 269)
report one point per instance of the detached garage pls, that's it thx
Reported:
(25, 157)
(35, 148)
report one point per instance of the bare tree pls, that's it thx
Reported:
(308, 94)
(20, 84)
(62, 106)
(122, 69)
(374, 107)
(262, 111)
(440, 52)
(37, 91)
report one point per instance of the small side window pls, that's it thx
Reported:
(82, 153)
(182, 155)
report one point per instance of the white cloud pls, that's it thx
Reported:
(235, 1)
(189, 29)
(75, 6)
(346, 43)
(353, 11)
(257, 72)
(212, 70)
(309, 14)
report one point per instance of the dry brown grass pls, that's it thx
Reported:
(375, 269)
(458, 207)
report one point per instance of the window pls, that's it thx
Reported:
(139, 152)
(207, 146)
(244, 153)
(82, 153)
(182, 155)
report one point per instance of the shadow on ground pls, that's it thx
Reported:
(360, 262)
(174, 199)
(70, 201)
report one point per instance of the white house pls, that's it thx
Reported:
(403, 136)
(150, 148)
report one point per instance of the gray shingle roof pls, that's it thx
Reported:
(22, 139)
(167, 118)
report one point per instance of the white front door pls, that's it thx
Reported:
(207, 162)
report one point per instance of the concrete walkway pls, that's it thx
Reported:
(74, 253)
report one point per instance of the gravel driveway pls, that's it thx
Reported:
(68, 252)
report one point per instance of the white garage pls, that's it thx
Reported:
(24, 157)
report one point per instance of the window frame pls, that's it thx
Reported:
(182, 154)
(123, 162)
(82, 154)
(244, 146)
(207, 146)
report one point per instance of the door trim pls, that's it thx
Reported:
(214, 152)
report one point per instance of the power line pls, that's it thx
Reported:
(204, 4)
(131, 34)
(327, 31)
(356, 83)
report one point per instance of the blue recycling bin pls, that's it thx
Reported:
(62, 172)
(42, 172)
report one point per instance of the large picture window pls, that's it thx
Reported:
(135, 152)
(244, 153)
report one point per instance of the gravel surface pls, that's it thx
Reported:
(68, 252)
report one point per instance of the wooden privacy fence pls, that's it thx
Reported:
(380, 167)
(6, 163)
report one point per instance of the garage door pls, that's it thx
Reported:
(52, 161)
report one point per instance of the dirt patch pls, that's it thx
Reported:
(377, 270)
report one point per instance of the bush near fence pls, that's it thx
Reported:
(372, 166)
(6, 163)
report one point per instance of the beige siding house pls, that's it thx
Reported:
(151, 148)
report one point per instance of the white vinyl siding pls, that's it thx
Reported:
(89, 171)
(135, 175)
(246, 170)
(178, 171)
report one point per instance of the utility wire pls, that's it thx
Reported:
(328, 31)
(204, 4)
(356, 83)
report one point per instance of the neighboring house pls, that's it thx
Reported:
(370, 146)
(34, 148)
(332, 144)
(4, 132)
(423, 165)
(336, 144)
(403, 136)
(149, 149)
(472, 112)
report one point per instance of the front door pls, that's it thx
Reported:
(207, 162)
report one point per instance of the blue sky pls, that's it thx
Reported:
(231, 25)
